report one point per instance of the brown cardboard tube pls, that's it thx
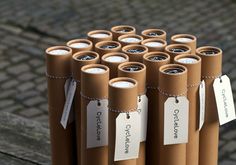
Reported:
(177, 49)
(112, 60)
(153, 61)
(209, 134)
(193, 64)
(58, 70)
(104, 47)
(154, 33)
(79, 60)
(186, 39)
(94, 86)
(154, 44)
(99, 35)
(119, 30)
(125, 100)
(78, 45)
(172, 81)
(137, 71)
(135, 52)
(130, 39)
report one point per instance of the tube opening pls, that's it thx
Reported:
(188, 60)
(135, 50)
(131, 39)
(109, 46)
(95, 70)
(154, 33)
(184, 39)
(157, 58)
(132, 67)
(174, 70)
(210, 51)
(154, 44)
(178, 49)
(86, 57)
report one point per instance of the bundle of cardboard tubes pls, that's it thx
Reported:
(122, 98)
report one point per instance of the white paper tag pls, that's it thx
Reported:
(176, 120)
(224, 99)
(97, 123)
(202, 102)
(143, 111)
(70, 92)
(66, 86)
(127, 136)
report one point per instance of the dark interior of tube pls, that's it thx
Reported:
(86, 57)
(155, 33)
(109, 46)
(178, 50)
(174, 70)
(124, 29)
(132, 68)
(135, 50)
(157, 58)
(210, 51)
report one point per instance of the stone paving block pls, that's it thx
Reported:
(26, 76)
(7, 93)
(17, 69)
(34, 101)
(3, 76)
(227, 162)
(25, 86)
(36, 62)
(10, 84)
(30, 112)
(12, 29)
(229, 147)
(4, 103)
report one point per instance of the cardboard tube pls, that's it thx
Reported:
(186, 39)
(125, 100)
(117, 31)
(79, 60)
(94, 86)
(172, 81)
(209, 134)
(135, 52)
(137, 71)
(177, 49)
(154, 44)
(99, 35)
(130, 39)
(104, 47)
(113, 60)
(78, 45)
(58, 70)
(193, 64)
(153, 61)
(154, 33)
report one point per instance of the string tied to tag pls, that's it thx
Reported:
(172, 95)
(212, 77)
(93, 98)
(56, 77)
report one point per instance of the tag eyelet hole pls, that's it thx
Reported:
(139, 99)
(99, 103)
(128, 116)
(176, 100)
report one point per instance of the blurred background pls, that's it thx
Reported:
(28, 27)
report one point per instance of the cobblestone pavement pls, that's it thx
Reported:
(28, 27)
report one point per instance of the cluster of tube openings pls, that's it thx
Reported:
(123, 81)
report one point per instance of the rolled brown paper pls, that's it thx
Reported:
(94, 86)
(154, 33)
(113, 60)
(209, 134)
(104, 47)
(79, 60)
(193, 64)
(58, 71)
(137, 71)
(177, 49)
(78, 45)
(99, 35)
(172, 81)
(154, 44)
(123, 99)
(135, 52)
(119, 30)
(153, 61)
(130, 39)
(186, 39)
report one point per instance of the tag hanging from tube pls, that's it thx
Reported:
(97, 123)
(143, 111)
(127, 136)
(176, 116)
(202, 104)
(70, 88)
(224, 99)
